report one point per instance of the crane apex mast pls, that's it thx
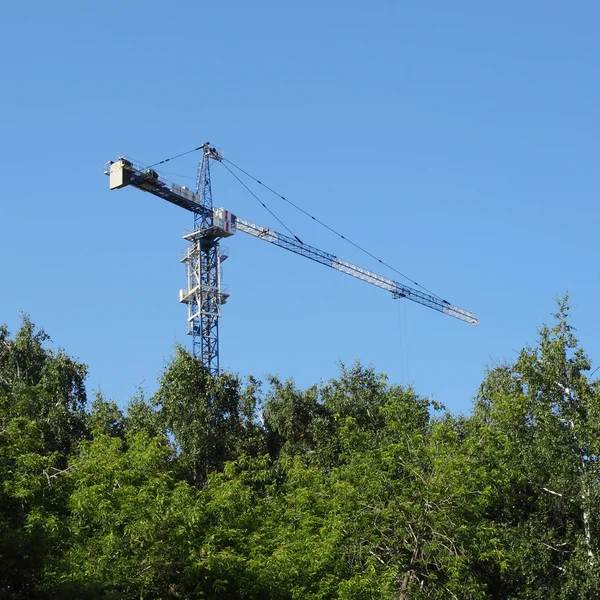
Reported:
(212, 152)
(204, 295)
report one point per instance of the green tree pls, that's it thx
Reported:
(42, 402)
(374, 498)
(130, 524)
(541, 419)
(210, 420)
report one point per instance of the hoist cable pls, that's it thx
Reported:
(174, 157)
(264, 205)
(326, 226)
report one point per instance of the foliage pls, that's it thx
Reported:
(209, 420)
(540, 417)
(42, 400)
(352, 489)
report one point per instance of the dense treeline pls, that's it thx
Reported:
(350, 489)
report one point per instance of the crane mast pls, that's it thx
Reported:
(204, 294)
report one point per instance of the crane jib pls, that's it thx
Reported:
(398, 290)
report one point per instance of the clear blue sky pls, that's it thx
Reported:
(459, 141)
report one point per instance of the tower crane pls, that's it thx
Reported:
(204, 294)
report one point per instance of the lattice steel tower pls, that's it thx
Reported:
(204, 294)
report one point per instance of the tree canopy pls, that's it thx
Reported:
(355, 488)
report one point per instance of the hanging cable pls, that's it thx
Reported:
(265, 206)
(324, 225)
(406, 342)
(401, 344)
(161, 172)
(174, 157)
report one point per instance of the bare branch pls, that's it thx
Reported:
(552, 492)
(377, 557)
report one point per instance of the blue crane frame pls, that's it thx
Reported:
(205, 329)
